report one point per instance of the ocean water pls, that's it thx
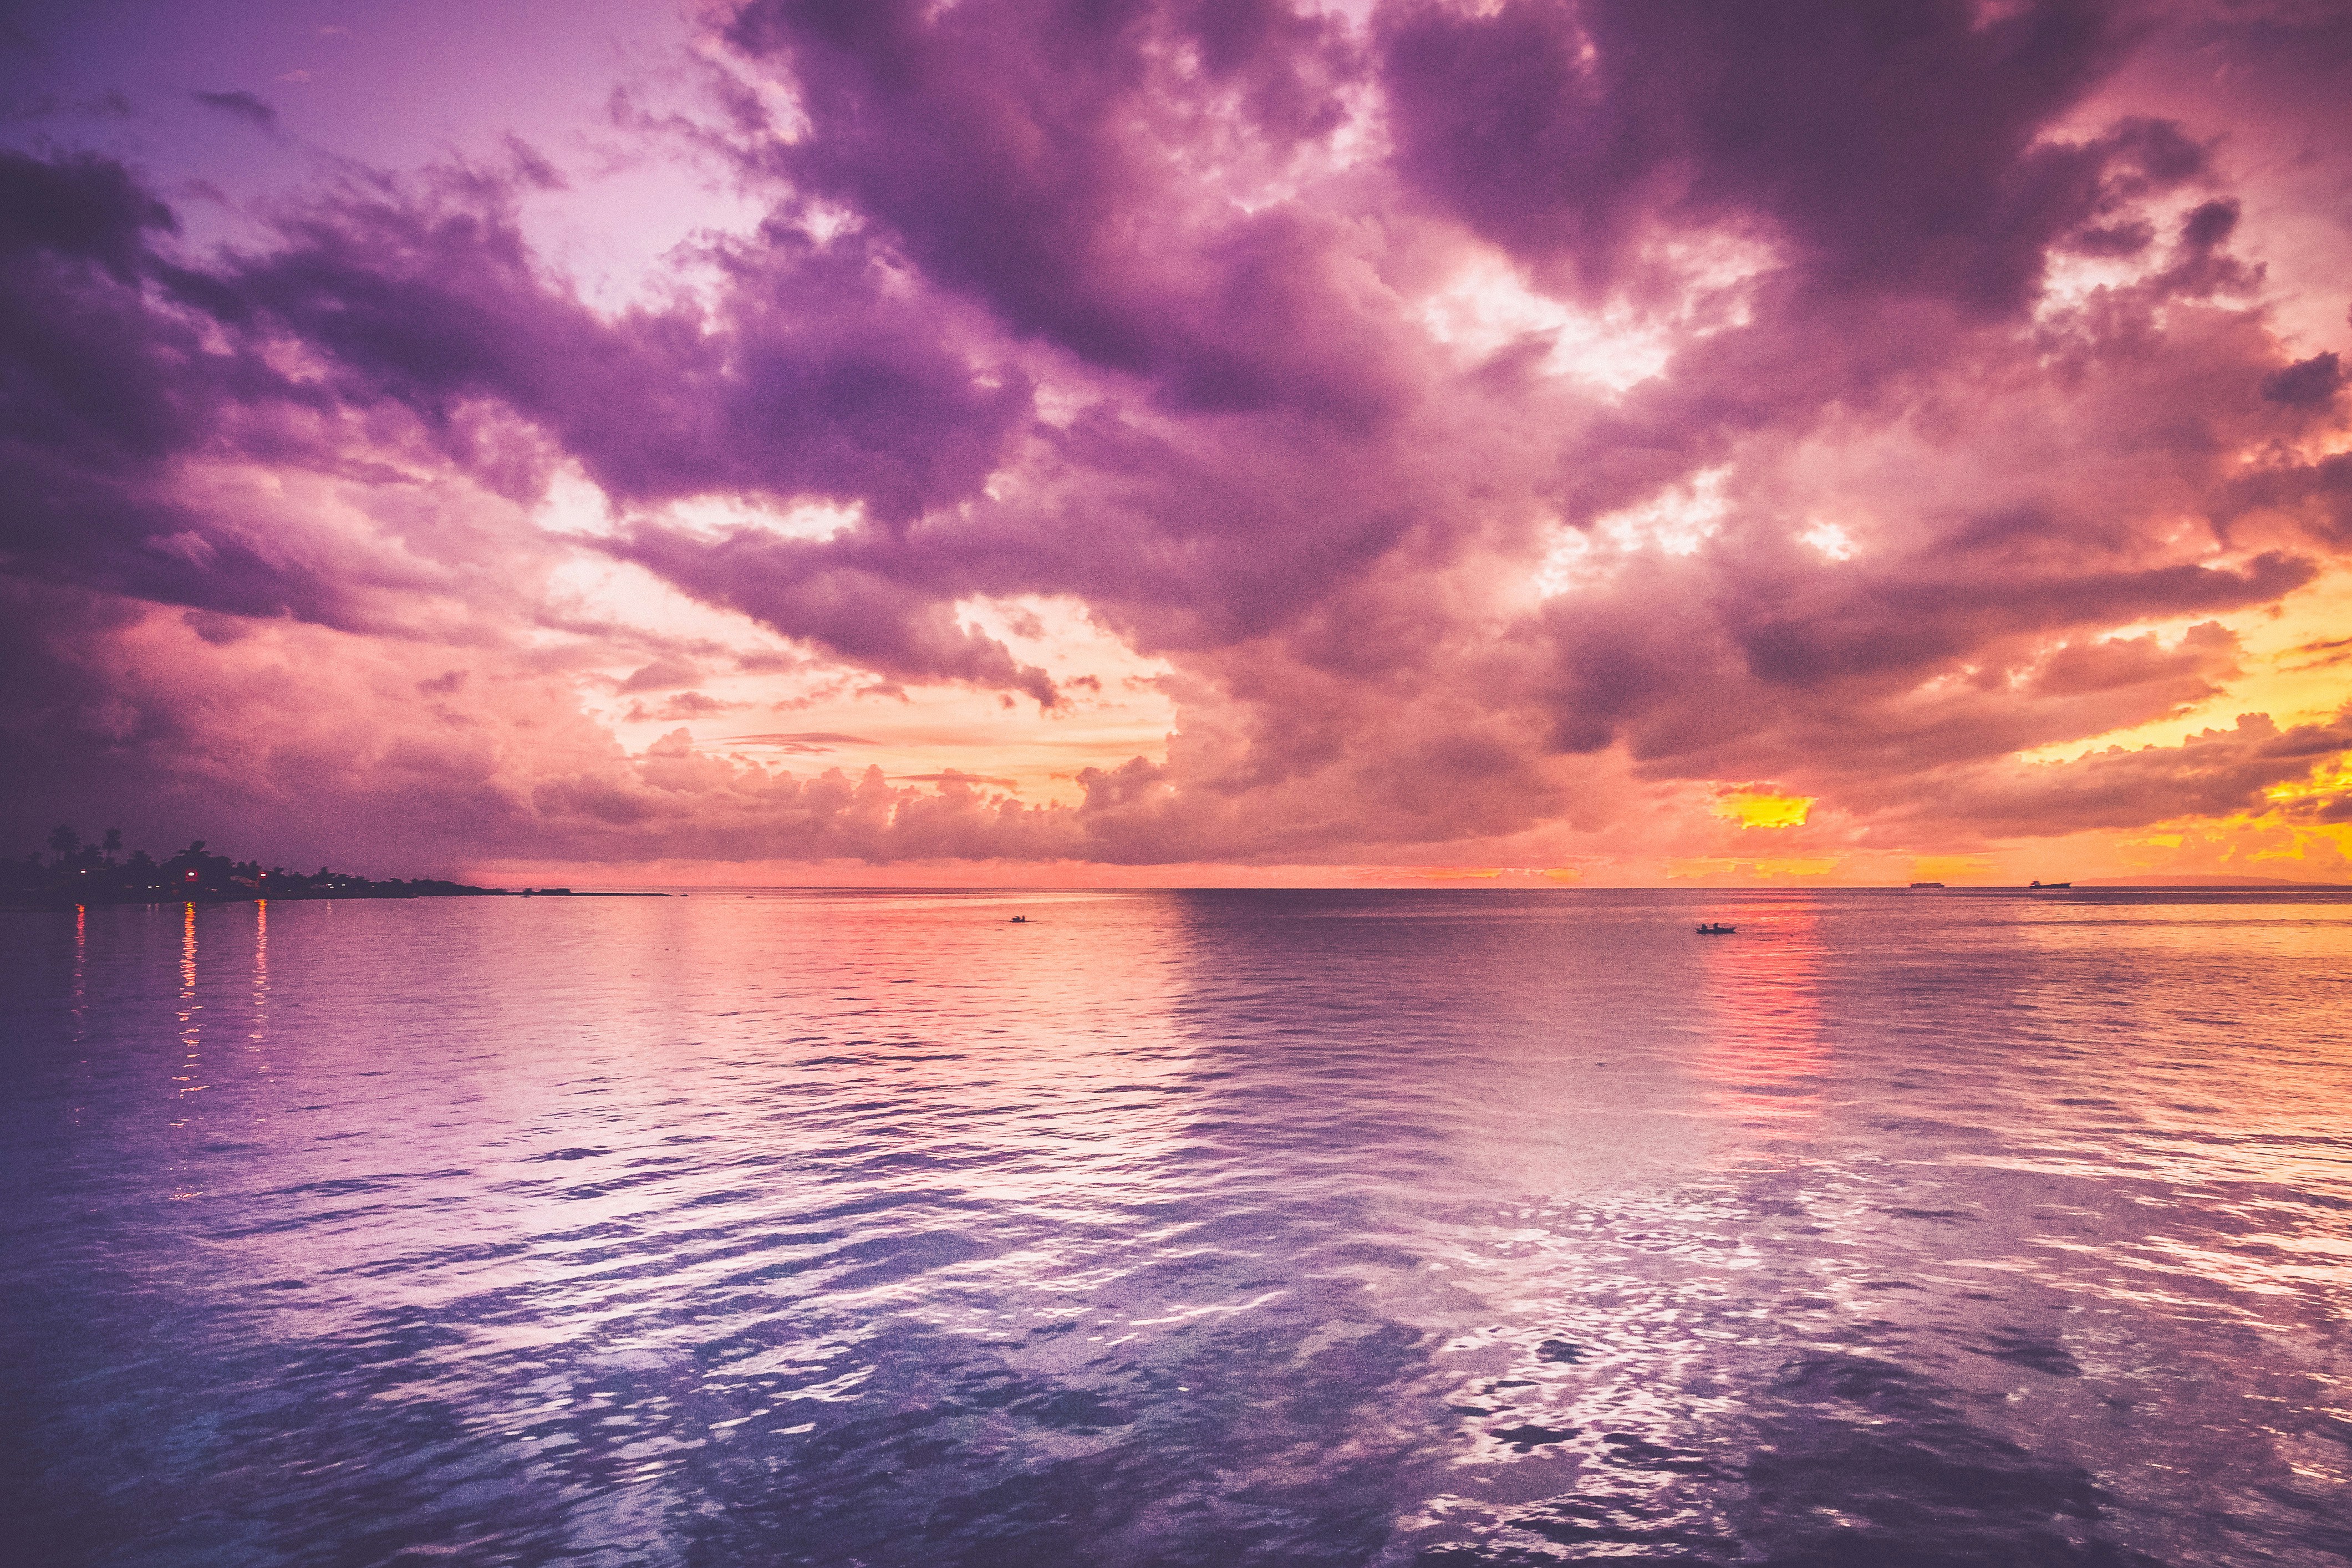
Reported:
(1445, 1227)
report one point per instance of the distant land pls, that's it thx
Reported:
(2184, 881)
(101, 873)
(2202, 882)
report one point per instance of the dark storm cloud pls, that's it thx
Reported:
(2305, 382)
(1897, 161)
(1034, 156)
(1892, 147)
(103, 385)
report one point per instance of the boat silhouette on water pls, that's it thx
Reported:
(1715, 928)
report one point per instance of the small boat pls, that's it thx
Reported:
(1716, 927)
(1021, 919)
(2049, 884)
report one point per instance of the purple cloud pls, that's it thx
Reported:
(2305, 383)
(240, 105)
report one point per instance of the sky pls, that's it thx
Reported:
(1521, 442)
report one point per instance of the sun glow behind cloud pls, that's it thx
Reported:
(1487, 307)
(1753, 809)
(2295, 665)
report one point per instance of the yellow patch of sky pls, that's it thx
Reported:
(2327, 779)
(2298, 668)
(1751, 808)
(1950, 868)
(1705, 868)
(2258, 843)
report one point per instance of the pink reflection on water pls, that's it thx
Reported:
(800, 1047)
(1764, 1053)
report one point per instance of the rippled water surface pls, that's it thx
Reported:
(1204, 1229)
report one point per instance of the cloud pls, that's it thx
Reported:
(807, 741)
(1032, 157)
(845, 392)
(952, 777)
(1892, 152)
(682, 705)
(106, 387)
(827, 593)
(240, 105)
(2213, 772)
(1525, 425)
(318, 744)
(664, 674)
(2305, 382)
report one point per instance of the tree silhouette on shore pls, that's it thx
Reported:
(80, 873)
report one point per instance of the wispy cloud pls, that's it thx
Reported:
(242, 105)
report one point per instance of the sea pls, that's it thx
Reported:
(1453, 1227)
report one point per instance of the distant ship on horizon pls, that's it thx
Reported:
(1926, 884)
(2032, 885)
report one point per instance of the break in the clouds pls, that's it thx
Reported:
(1616, 439)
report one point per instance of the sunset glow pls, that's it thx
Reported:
(1526, 444)
(1751, 810)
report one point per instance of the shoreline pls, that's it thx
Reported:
(368, 895)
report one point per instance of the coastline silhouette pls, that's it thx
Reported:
(101, 873)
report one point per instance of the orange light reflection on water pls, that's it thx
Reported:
(80, 960)
(191, 1032)
(260, 973)
(1764, 1055)
(2244, 1049)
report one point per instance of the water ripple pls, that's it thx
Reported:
(1355, 1228)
